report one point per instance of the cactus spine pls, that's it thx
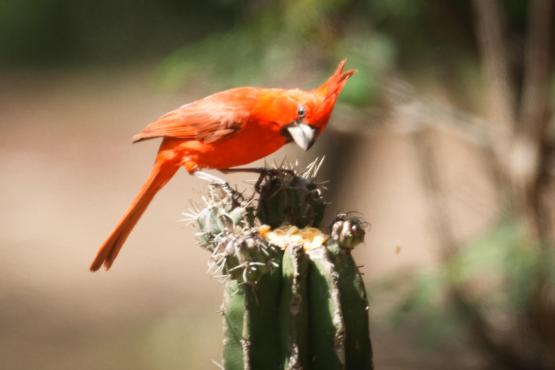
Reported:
(294, 298)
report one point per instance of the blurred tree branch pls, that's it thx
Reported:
(518, 147)
(490, 26)
(537, 67)
(526, 163)
(411, 111)
(491, 339)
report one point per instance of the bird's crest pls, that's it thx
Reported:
(333, 86)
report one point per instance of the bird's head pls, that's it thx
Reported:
(315, 107)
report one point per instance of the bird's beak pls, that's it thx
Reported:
(302, 134)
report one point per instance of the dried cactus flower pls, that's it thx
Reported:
(287, 236)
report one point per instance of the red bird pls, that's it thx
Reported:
(225, 130)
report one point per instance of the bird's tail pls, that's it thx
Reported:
(161, 173)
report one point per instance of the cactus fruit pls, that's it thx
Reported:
(294, 298)
(287, 198)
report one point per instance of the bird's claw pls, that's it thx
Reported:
(205, 176)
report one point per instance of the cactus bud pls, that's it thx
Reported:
(348, 230)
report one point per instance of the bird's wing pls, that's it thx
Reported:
(208, 119)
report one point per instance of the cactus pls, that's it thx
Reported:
(294, 298)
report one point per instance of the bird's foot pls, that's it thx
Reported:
(205, 176)
(219, 182)
(259, 170)
(262, 171)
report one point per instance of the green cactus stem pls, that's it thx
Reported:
(327, 329)
(294, 298)
(250, 313)
(294, 308)
(354, 305)
(233, 310)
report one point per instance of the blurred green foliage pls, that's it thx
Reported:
(500, 270)
(281, 36)
(79, 30)
(238, 42)
(61, 32)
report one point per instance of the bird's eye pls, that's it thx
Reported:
(301, 111)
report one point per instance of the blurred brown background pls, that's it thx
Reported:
(443, 141)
